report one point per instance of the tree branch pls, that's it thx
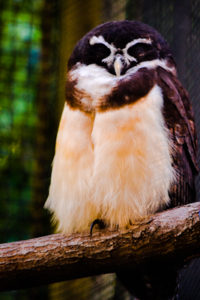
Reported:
(169, 234)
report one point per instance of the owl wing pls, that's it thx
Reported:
(155, 278)
(179, 119)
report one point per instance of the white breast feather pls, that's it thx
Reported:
(70, 195)
(116, 166)
(132, 170)
(96, 81)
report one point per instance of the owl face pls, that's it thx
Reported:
(120, 46)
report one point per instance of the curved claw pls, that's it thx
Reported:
(98, 222)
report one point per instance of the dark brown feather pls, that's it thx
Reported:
(128, 91)
(179, 119)
(159, 280)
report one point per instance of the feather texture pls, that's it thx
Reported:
(69, 193)
(115, 166)
(179, 119)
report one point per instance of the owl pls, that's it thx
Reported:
(126, 144)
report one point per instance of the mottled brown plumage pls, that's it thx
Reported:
(179, 119)
(127, 91)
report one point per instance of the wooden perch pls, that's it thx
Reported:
(170, 234)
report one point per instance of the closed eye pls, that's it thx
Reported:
(100, 50)
(139, 50)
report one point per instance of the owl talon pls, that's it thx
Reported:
(98, 222)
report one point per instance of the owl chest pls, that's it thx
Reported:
(118, 162)
(132, 144)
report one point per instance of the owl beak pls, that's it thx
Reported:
(118, 65)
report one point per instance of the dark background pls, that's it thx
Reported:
(36, 39)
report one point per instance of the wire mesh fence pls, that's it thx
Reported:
(35, 42)
(19, 60)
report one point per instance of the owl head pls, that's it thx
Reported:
(113, 65)
(120, 46)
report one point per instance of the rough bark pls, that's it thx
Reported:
(170, 235)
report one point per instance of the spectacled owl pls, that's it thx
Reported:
(126, 144)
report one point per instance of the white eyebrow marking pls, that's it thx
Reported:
(109, 59)
(100, 40)
(137, 41)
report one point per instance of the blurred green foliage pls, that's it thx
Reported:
(20, 48)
